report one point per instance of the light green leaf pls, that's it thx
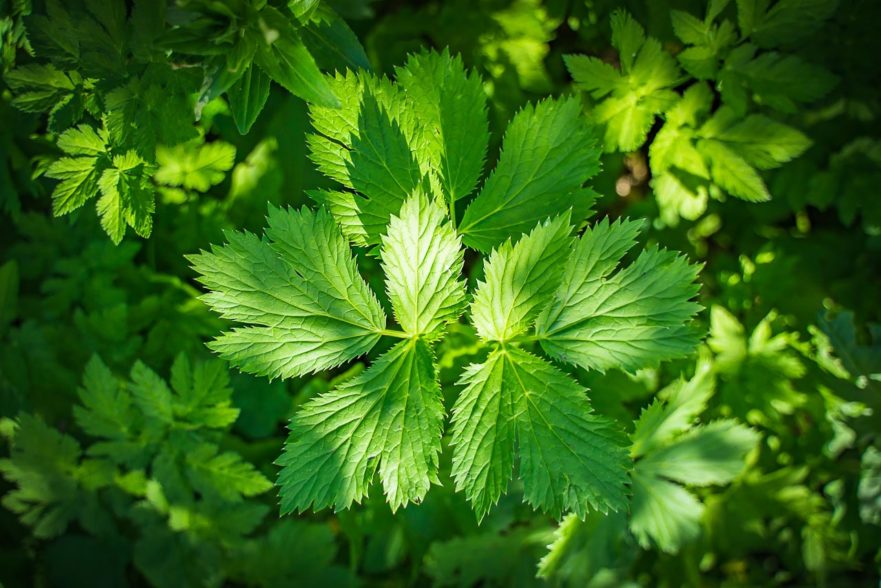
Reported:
(570, 459)
(763, 142)
(127, 197)
(389, 418)
(549, 151)
(484, 434)
(299, 289)
(194, 167)
(451, 108)
(635, 96)
(635, 318)
(520, 279)
(422, 259)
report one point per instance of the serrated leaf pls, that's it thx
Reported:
(106, 409)
(520, 279)
(548, 153)
(151, 394)
(634, 96)
(732, 173)
(299, 289)
(673, 411)
(225, 475)
(570, 459)
(389, 419)
(633, 319)
(451, 107)
(422, 259)
(127, 197)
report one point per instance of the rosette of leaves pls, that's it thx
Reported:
(406, 154)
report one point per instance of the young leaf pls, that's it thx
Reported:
(422, 260)
(633, 319)
(301, 289)
(520, 279)
(388, 419)
(548, 153)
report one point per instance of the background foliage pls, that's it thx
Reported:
(133, 134)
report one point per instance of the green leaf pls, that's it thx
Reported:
(389, 418)
(484, 433)
(79, 175)
(39, 87)
(628, 38)
(301, 291)
(633, 97)
(106, 409)
(225, 475)
(710, 454)
(151, 394)
(451, 107)
(332, 43)
(663, 513)
(247, 97)
(732, 173)
(783, 23)
(363, 146)
(548, 153)
(288, 62)
(635, 318)
(673, 411)
(194, 167)
(570, 459)
(422, 259)
(520, 279)
(583, 549)
(763, 142)
(127, 197)
(202, 394)
(42, 464)
(782, 82)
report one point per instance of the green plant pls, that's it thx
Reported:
(307, 309)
